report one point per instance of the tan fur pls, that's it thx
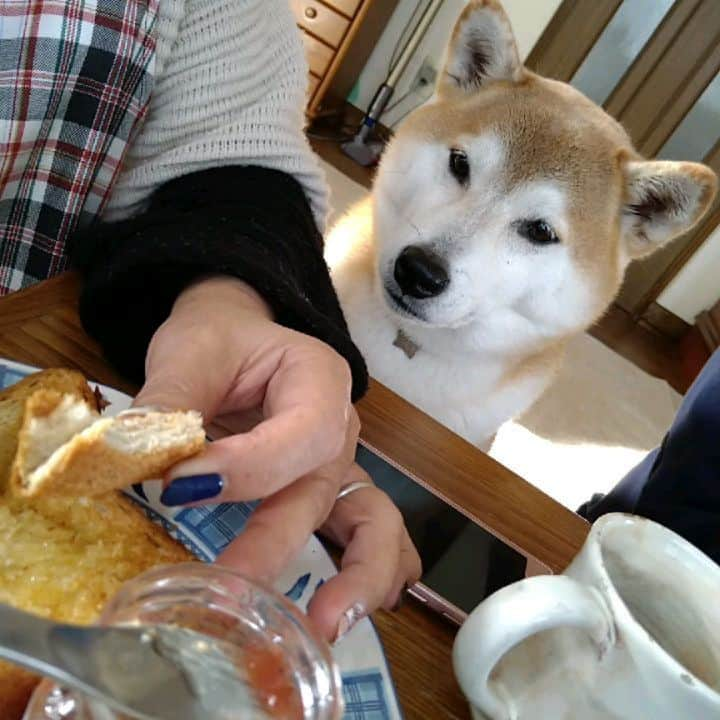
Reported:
(511, 70)
(353, 236)
(546, 362)
(586, 156)
(65, 557)
(554, 130)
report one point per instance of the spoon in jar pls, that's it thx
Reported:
(150, 672)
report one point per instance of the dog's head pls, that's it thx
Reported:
(515, 197)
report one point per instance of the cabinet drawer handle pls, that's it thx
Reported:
(310, 13)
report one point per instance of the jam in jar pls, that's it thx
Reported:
(289, 670)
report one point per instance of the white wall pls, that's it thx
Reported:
(697, 286)
(529, 18)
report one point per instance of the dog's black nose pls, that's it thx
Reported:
(419, 273)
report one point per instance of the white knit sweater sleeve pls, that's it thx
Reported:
(230, 88)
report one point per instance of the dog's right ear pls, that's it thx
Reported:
(482, 49)
(664, 199)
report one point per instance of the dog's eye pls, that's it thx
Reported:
(538, 232)
(459, 166)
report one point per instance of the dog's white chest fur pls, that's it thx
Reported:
(459, 391)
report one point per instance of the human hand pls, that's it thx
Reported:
(379, 560)
(220, 353)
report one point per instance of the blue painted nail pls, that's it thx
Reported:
(193, 488)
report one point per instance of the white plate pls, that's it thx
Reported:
(367, 685)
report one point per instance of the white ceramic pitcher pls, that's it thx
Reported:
(630, 631)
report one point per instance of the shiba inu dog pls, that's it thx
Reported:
(504, 214)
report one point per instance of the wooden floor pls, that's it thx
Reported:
(675, 362)
(648, 350)
(332, 154)
(345, 122)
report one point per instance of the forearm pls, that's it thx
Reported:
(250, 224)
(223, 291)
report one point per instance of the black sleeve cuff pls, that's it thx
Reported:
(248, 222)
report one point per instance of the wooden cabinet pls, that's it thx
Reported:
(312, 86)
(349, 7)
(339, 36)
(319, 55)
(321, 21)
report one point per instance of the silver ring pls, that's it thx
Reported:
(352, 487)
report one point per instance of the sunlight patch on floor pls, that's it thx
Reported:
(600, 417)
(569, 472)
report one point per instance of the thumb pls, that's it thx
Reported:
(177, 375)
(173, 391)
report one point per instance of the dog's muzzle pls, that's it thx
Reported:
(419, 273)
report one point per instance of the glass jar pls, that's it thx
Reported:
(290, 667)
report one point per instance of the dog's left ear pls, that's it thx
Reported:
(482, 49)
(664, 199)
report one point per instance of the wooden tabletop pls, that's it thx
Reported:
(40, 326)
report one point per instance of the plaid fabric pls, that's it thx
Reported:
(75, 81)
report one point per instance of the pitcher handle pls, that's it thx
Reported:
(512, 615)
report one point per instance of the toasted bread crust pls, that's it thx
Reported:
(91, 465)
(12, 408)
(37, 407)
(85, 463)
(96, 467)
(110, 540)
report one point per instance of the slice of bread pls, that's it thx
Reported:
(64, 449)
(64, 557)
(13, 401)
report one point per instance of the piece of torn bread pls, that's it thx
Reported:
(12, 407)
(64, 557)
(64, 446)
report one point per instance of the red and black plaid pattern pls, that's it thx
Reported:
(75, 82)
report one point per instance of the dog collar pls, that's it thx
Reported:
(406, 344)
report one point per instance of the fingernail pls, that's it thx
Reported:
(193, 488)
(350, 618)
